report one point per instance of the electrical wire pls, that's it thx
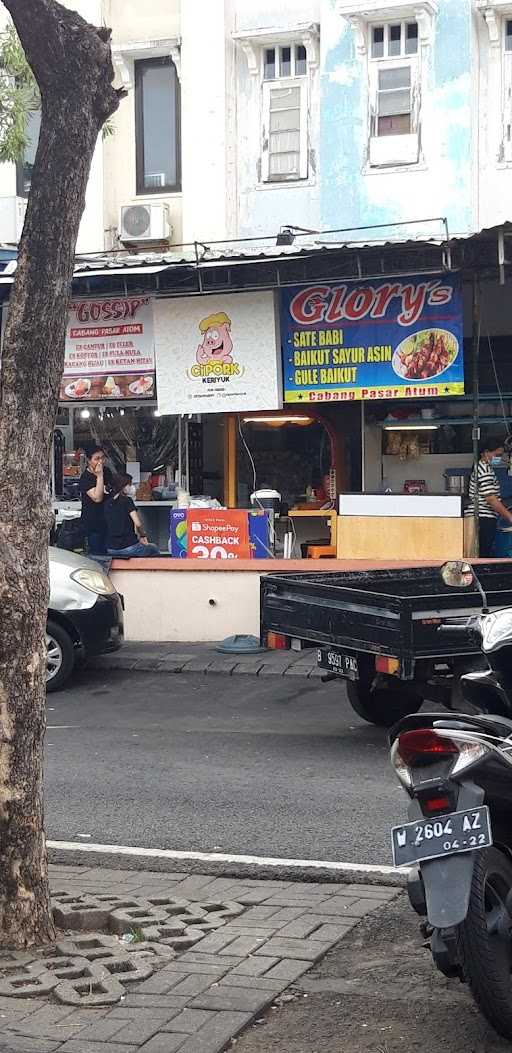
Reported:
(498, 386)
(254, 485)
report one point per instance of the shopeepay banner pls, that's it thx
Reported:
(389, 339)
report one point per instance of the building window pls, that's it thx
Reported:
(394, 82)
(25, 165)
(285, 114)
(508, 34)
(394, 40)
(157, 131)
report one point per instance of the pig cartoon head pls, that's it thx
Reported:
(216, 344)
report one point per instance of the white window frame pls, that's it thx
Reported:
(387, 152)
(254, 44)
(496, 14)
(277, 85)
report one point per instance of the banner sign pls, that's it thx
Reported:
(389, 339)
(110, 350)
(217, 354)
(218, 533)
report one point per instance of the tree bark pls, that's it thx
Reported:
(72, 63)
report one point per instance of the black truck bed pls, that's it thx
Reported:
(389, 612)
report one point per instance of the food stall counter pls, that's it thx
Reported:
(408, 526)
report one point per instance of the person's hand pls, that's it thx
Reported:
(98, 470)
(144, 540)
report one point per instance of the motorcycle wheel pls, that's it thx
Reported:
(485, 940)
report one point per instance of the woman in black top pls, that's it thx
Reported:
(95, 484)
(125, 531)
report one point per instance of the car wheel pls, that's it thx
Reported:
(60, 656)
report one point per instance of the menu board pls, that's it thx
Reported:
(376, 339)
(110, 350)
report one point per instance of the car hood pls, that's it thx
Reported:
(65, 593)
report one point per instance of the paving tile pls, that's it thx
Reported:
(50, 1022)
(102, 1030)
(193, 985)
(78, 1045)
(192, 883)
(147, 1001)
(189, 1021)
(254, 966)
(239, 999)
(140, 1027)
(286, 914)
(180, 969)
(197, 665)
(215, 1036)
(351, 909)
(256, 916)
(219, 666)
(164, 1042)
(195, 958)
(288, 969)
(258, 983)
(301, 927)
(305, 950)
(20, 1044)
(172, 665)
(252, 931)
(333, 933)
(295, 899)
(214, 943)
(244, 945)
(21, 1005)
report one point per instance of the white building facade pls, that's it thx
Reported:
(244, 116)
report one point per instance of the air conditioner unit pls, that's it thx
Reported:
(12, 218)
(140, 223)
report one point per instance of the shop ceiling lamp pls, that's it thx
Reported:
(278, 420)
(411, 427)
(85, 414)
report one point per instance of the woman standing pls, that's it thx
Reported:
(95, 484)
(484, 491)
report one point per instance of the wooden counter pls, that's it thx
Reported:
(399, 537)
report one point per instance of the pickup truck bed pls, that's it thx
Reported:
(393, 613)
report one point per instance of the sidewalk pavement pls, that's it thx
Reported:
(203, 658)
(203, 991)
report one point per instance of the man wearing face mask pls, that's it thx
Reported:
(125, 531)
(484, 490)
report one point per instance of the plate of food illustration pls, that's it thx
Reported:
(425, 355)
(142, 386)
(78, 389)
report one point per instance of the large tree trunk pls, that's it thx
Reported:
(72, 64)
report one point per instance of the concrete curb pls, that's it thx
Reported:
(219, 866)
(209, 662)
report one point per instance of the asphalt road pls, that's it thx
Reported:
(270, 767)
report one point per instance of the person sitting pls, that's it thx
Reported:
(125, 531)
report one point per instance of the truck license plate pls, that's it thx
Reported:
(444, 835)
(336, 662)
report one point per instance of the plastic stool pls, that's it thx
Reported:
(321, 552)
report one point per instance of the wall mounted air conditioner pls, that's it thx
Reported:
(12, 218)
(144, 222)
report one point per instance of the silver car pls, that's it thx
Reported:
(85, 615)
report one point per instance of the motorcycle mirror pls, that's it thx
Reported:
(457, 574)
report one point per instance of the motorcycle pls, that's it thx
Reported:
(457, 772)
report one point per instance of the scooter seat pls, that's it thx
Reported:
(499, 726)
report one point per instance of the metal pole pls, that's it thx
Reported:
(475, 352)
(187, 456)
(180, 452)
(363, 449)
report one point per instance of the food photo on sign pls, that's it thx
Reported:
(386, 339)
(109, 350)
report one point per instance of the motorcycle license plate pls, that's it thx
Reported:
(336, 662)
(444, 835)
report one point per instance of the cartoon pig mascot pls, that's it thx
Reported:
(217, 344)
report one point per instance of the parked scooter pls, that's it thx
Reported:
(457, 771)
